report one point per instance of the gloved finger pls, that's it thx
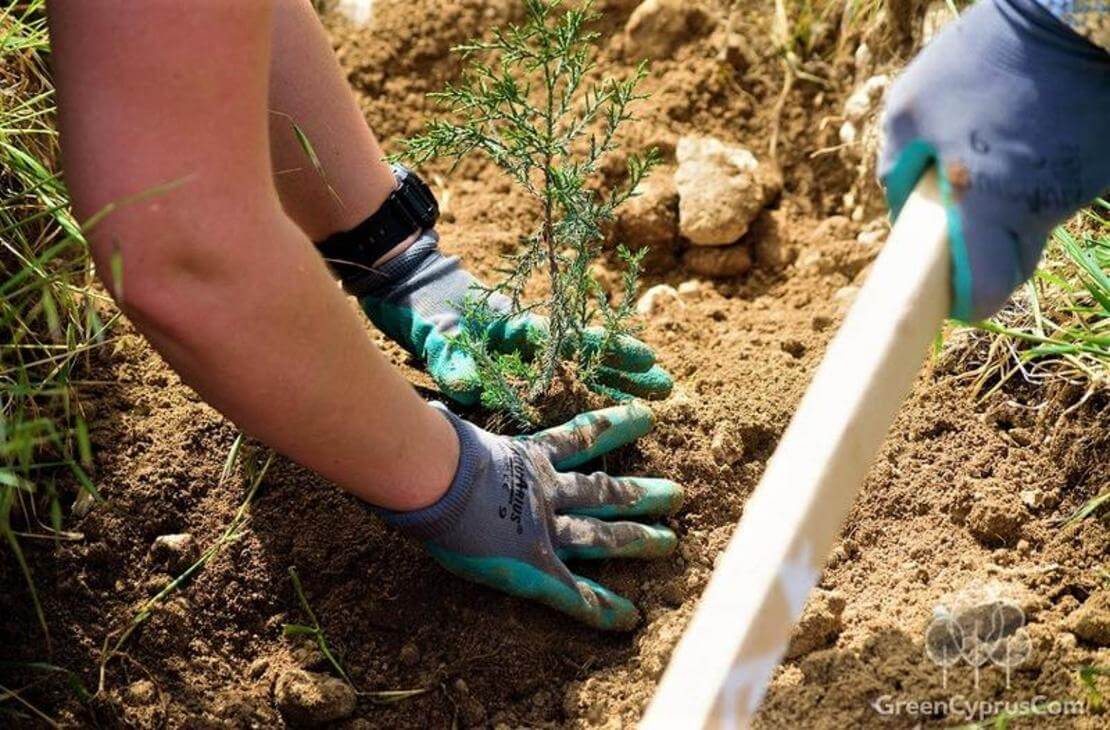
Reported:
(556, 587)
(600, 495)
(592, 434)
(653, 384)
(455, 373)
(623, 352)
(524, 335)
(587, 538)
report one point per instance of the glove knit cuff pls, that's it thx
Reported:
(436, 519)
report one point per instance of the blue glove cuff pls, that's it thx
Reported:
(435, 520)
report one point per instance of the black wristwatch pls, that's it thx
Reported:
(410, 208)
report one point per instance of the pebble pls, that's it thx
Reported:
(844, 297)
(658, 297)
(726, 446)
(689, 287)
(175, 552)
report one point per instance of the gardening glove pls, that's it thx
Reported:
(416, 299)
(1012, 107)
(510, 518)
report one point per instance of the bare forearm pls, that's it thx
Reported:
(222, 282)
(276, 348)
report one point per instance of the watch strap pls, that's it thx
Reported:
(409, 209)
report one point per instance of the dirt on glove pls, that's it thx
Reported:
(961, 512)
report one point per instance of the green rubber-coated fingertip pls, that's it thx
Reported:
(613, 612)
(601, 609)
(658, 497)
(656, 542)
(654, 384)
(624, 424)
(623, 352)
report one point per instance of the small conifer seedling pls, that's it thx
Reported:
(527, 101)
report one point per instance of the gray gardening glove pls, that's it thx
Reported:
(416, 299)
(510, 518)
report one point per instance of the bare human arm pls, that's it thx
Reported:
(227, 288)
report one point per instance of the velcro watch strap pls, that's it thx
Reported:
(409, 209)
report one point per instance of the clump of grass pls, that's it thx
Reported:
(49, 312)
(525, 101)
(1057, 326)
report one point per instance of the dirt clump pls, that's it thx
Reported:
(820, 624)
(1091, 621)
(721, 189)
(657, 27)
(307, 698)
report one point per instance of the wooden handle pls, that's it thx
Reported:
(740, 629)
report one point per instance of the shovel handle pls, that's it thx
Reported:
(740, 629)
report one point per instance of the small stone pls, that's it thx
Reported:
(308, 698)
(862, 59)
(721, 190)
(1091, 621)
(689, 287)
(870, 238)
(410, 655)
(1033, 498)
(658, 27)
(718, 261)
(358, 12)
(844, 297)
(865, 97)
(175, 552)
(461, 687)
(658, 297)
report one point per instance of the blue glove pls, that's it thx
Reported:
(416, 300)
(1013, 108)
(510, 519)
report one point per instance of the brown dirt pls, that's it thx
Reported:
(966, 495)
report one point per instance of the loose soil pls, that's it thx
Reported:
(966, 496)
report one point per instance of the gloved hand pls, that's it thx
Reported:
(416, 300)
(510, 518)
(1014, 109)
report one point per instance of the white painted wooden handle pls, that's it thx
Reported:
(739, 632)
